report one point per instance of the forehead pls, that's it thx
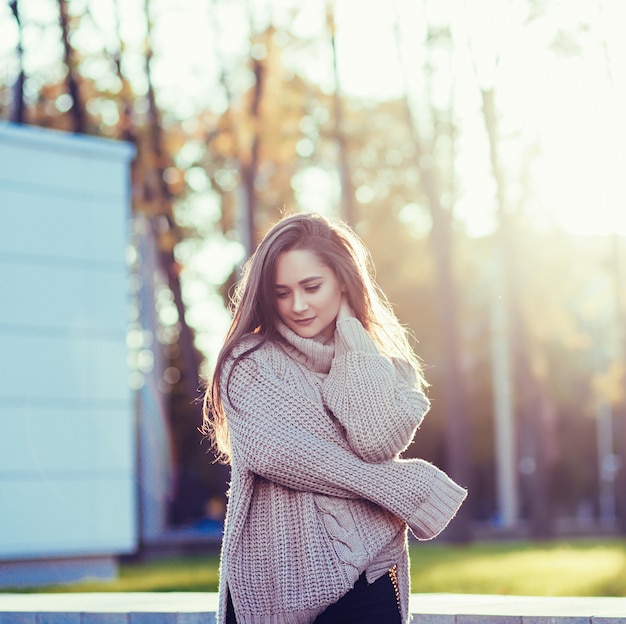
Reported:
(298, 264)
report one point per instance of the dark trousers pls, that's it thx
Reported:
(363, 604)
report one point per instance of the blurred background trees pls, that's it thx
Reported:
(511, 282)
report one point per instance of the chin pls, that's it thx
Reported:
(305, 332)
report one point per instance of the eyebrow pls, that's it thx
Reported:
(306, 280)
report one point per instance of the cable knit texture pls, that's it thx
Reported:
(318, 493)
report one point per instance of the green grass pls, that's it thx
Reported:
(577, 568)
(194, 574)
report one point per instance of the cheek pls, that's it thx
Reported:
(336, 299)
(279, 306)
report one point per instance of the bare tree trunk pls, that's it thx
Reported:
(126, 129)
(189, 360)
(73, 77)
(247, 156)
(18, 114)
(156, 190)
(185, 406)
(166, 231)
(533, 435)
(620, 409)
(507, 435)
(620, 318)
(250, 166)
(457, 429)
(348, 207)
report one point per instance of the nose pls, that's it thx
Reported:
(299, 302)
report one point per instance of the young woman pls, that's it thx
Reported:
(315, 394)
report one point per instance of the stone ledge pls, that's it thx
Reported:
(493, 609)
(199, 608)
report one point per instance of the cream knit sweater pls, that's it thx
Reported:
(318, 494)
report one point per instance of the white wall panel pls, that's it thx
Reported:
(50, 441)
(39, 225)
(57, 161)
(67, 426)
(66, 516)
(74, 297)
(60, 366)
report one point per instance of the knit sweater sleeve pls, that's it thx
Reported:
(377, 400)
(282, 435)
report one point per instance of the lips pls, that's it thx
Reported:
(306, 321)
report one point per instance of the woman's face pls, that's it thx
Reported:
(308, 294)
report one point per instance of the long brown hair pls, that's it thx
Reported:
(254, 308)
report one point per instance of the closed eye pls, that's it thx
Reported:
(282, 294)
(313, 288)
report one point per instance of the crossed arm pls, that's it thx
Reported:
(282, 435)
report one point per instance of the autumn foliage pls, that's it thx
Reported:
(258, 134)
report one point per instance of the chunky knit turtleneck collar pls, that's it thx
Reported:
(315, 353)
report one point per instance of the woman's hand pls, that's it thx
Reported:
(345, 310)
